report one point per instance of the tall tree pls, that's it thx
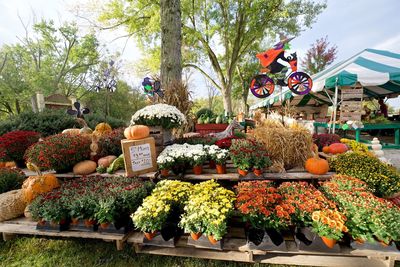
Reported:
(216, 32)
(47, 59)
(171, 56)
(319, 56)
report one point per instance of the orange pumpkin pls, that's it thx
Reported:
(137, 132)
(2, 164)
(102, 129)
(337, 148)
(326, 150)
(10, 164)
(37, 185)
(316, 165)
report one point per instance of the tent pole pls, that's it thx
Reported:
(335, 105)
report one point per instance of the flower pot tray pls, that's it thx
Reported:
(46, 226)
(266, 243)
(309, 241)
(203, 242)
(159, 241)
(80, 226)
(373, 246)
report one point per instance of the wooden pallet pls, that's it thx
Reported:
(25, 226)
(236, 249)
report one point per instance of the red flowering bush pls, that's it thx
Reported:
(248, 153)
(261, 204)
(306, 199)
(59, 152)
(322, 140)
(14, 144)
(110, 144)
(226, 142)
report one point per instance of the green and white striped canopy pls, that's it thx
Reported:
(377, 71)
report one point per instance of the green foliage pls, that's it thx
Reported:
(93, 119)
(206, 112)
(10, 179)
(200, 103)
(50, 58)
(381, 178)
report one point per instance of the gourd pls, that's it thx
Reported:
(207, 120)
(106, 161)
(85, 167)
(102, 129)
(218, 120)
(10, 164)
(37, 185)
(116, 165)
(85, 129)
(337, 148)
(72, 131)
(135, 132)
(200, 120)
(316, 165)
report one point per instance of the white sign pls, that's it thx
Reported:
(141, 157)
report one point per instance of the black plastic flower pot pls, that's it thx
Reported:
(268, 239)
(52, 226)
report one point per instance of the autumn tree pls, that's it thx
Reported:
(216, 33)
(319, 56)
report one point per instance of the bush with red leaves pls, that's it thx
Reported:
(14, 144)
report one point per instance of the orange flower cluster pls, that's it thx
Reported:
(331, 218)
(259, 201)
(305, 198)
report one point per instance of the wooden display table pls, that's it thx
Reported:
(367, 126)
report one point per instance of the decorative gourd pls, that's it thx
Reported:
(85, 129)
(337, 148)
(36, 185)
(326, 150)
(218, 120)
(102, 129)
(106, 161)
(316, 165)
(72, 131)
(10, 164)
(85, 167)
(135, 132)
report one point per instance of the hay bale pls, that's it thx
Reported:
(287, 146)
(11, 205)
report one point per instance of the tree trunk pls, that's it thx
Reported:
(17, 106)
(245, 106)
(227, 100)
(171, 42)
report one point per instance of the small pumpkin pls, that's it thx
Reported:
(338, 148)
(135, 132)
(71, 131)
(316, 165)
(326, 150)
(85, 167)
(37, 185)
(10, 164)
(102, 129)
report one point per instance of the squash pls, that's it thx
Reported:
(37, 185)
(2, 164)
(71, 131)
(85, 167)
(12, 205)
(338, 148)
(135, 132)
(106, 161)
(10, 164)
(102, 129)
(326, 150)
(316, 165)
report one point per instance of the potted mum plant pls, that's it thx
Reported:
(106, 212)
(165, 163)
(241, 155)
(14, 144)
(220, 157)
(197, 156)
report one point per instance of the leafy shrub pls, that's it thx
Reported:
(206, 112)
(93, 119)
(196, 140)
(381, 178)
(110, 144)
(10, 179)
(59, 152)
(50, 122)
(14, 144)
(322, 140)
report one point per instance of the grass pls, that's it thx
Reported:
(29, 251)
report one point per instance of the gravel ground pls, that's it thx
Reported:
(394, 156)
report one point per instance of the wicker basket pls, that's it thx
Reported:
(11, 205)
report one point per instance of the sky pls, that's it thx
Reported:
(351, 25)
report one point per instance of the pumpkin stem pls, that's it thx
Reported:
(36, 168)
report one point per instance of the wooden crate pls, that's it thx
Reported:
(139, 156)
(25, 226)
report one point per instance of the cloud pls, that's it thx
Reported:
(391, 44)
